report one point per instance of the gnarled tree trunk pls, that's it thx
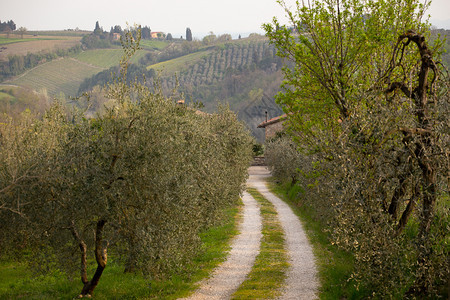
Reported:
(423, 147)
(100, 257)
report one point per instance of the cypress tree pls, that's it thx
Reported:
(188, 34)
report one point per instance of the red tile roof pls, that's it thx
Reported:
(272, 121)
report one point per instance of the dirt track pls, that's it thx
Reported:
(244, 249)
(301, 282)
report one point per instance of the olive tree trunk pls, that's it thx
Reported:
(100, 257)
(423, 147)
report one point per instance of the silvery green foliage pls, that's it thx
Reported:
(283, 158)
(366, 97)
(157, 172)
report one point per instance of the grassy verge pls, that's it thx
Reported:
(269, 271)
(17, 282)
(334, 265)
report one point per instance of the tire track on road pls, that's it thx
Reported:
(302, 282)
(228, 276)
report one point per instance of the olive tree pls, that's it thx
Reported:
(283, 158)
(144, 178)
(371, 109)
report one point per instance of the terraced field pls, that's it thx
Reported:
(65, 75)
(62, 75)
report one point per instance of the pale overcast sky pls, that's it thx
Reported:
(202, 16)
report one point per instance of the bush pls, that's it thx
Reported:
(283, 159)
(258, 149)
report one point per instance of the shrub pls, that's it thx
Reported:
(283, 159)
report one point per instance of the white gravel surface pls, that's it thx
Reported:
(302, 280)
(245, 247)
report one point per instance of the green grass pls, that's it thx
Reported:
(268, 274)
(62, 75)
(5, 41)
(179, 64)
(154, 44)
(334, 265)
(17, 282)
(105, 58)
(6, 97)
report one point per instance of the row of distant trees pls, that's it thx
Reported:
(10, 26)
(146, 32)
(102, 39)
(7, 26)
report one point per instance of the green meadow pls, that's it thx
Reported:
(105, 58)
(179, 64)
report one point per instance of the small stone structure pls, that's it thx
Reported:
(272, 126)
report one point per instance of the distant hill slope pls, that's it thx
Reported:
(61, 75)
(34, 44)
(244, 74)
(179, 64)
(65, 75)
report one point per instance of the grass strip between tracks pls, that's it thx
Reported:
(268, 274)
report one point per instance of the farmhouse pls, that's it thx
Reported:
(116, 36)
(158, 34)
(272, 126)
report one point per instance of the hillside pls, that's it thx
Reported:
(64, 75)
(243, 73)
(246, 74)
(57, 76)
(18, 45)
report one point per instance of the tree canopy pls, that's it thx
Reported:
(366, 100)
(7, 26)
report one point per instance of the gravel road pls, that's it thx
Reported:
(301, 281)
(245, 247)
